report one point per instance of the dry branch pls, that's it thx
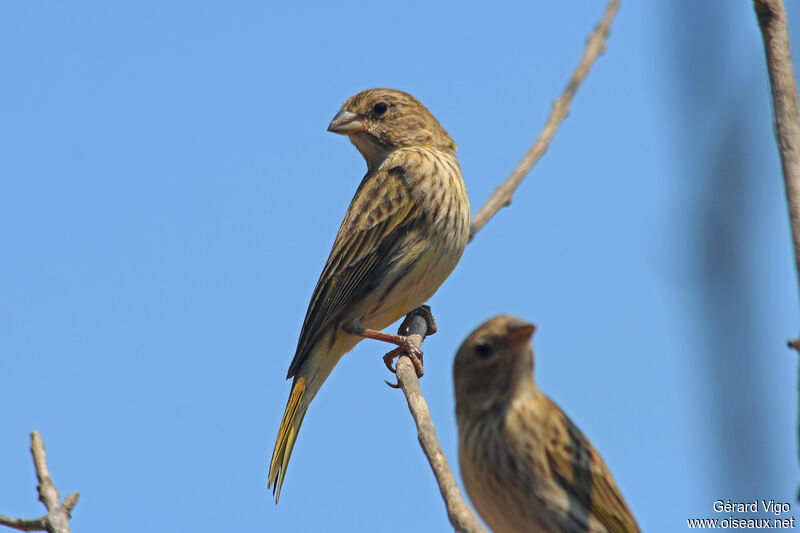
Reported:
(501, 197)
(771, 16)
(460, 514)
(775, 32)
(57, 518)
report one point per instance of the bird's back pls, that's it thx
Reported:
(536, 472)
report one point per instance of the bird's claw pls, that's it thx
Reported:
(392, 385)
(389, 358)
(413, 352)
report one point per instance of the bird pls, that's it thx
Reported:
(526, 466)
(403, 234)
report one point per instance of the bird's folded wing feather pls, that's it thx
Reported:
(582, 473)
(379, 213)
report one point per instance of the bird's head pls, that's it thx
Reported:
(379, 121)
(491, 363)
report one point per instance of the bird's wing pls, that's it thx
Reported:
(581, 471)
(380, 213)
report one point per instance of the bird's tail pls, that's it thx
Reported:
(287, 435)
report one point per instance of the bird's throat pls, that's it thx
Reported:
(373, 151)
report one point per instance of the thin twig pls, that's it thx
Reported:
(501, 197)
(771, 16)
(57, 518)
(22, 524)
(775, 32)
(460, 514)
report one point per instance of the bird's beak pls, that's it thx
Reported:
(346, 123)
(519, 331)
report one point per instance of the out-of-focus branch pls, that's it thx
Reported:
(775, 32)
(771, 16)
(501, 197)
(460, 514)
(57, 518)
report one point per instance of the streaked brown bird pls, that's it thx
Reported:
(402, 235)
(526, 466)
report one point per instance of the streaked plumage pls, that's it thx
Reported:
(525, 465)
(403, 234)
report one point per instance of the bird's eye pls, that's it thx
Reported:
(483, 350)
(380, 108)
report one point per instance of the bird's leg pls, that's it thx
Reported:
(374, 334)
(403, 342)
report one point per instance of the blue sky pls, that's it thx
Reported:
(169, 194)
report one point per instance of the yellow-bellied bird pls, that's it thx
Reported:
(403, 234)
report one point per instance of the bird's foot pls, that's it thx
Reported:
(410, 349)
(405, 346)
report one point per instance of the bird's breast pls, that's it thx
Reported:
(426, 254)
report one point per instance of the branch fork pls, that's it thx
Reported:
(57, 518)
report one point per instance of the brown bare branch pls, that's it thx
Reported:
(57, 518)
(23, 525)
(501, 197)
(771, 16)
(775, 32)
(460, 514)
